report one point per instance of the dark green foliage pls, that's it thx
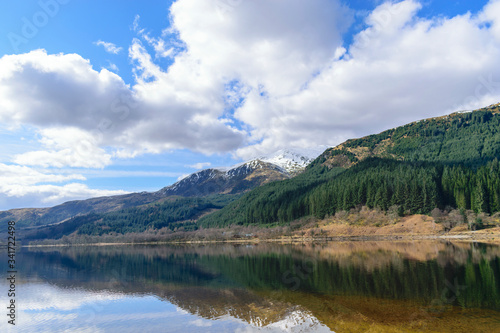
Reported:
(281, 201)
(414, 187)
(62, 229)
(413, 280)
(382, 184)
(175, 214)
(467, 138)
(172, 214)
(478, 190)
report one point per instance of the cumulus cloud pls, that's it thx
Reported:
(63, 96)
(183, 106)
(109, 47)
(49, 91)
(399, 69)
(275, 45)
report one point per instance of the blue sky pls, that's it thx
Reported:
(107, 97)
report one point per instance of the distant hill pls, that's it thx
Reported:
(35, 217)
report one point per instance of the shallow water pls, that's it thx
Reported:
(337, 286)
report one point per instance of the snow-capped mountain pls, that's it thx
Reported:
(236, 179)
(244, 176)
(293, 161)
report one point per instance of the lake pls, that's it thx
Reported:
(387, 286)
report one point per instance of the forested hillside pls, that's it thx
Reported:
(175, 213)
(470, 138)
(447, 161)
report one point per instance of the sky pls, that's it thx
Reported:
(110, 97)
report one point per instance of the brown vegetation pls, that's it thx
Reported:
(358, 223)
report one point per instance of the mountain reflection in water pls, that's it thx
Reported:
(338, 286)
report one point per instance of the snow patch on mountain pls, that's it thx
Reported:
(293, 160)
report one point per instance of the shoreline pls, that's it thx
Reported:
(472, 236)
(361, 226)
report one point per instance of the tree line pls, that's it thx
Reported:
(409, 187)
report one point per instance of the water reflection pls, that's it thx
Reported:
(351, 286)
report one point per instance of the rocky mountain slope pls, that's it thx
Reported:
(234, 180)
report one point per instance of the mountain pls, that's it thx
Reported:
(448, 161)
(281, 165)
(293, 161)
(226, 181)
(237, 179)
(471, 138)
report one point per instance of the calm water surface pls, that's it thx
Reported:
(333, 287)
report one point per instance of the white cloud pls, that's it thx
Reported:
(16, 175)
(279, 50)
(50, 91)
(21, 186)
(201, 165)
(27, 196)
(160, 47)
(113, 67)
(109, 47)
(162, 50)
(293, 82)
(274, 55)
(182, 107)
(490, 15)
(63, 95)
(66, 147)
